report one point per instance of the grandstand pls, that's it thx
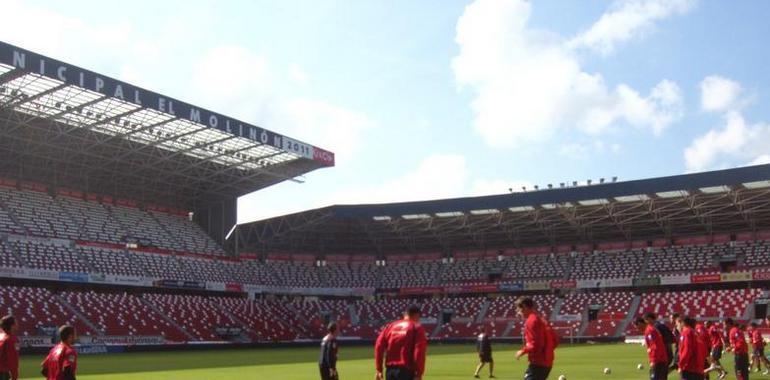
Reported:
(117, 208)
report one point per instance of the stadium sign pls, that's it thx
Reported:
(646, 281)
(761, 276)
(72, 75)
(737, 276)
(563, 284)
(675, 279)
(705, 278)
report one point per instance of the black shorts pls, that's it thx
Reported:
(326, 374)
(486, 357)
(759, 351)
(536, 372)
(691, 376)
(399, 373)
(659, 371)
(716, 353)
(742, 367)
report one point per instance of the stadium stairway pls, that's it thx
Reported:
(137, 263)
(556, 309)
(84, 260)
(583, 323)
(168, 233)
(508, 329)
(645, 265)
(632, 310)
(168, 319)
(568, 268)
(14, 249)
(249, 332)
(355, 320)
(13, 217)
(482, 314)
(78, 314)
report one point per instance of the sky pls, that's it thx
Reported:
(440, 98)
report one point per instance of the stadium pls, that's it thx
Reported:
(118, 217)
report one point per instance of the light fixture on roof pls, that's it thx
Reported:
(614, 179)
(537, 188)
(521, 208)
(561, 185)
(550, 186)
(601, 180)
(588, 182)
(485, 211)
(524, 189)
(574, 183)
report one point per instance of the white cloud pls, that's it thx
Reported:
(436, 176)
(529, 84)
(736, 143)
(626, 20)
(246, 90)
(719, 94)
(298, 75)
(328, 126)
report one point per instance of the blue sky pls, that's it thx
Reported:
(434, 99)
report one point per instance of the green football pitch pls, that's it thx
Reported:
(445, 362)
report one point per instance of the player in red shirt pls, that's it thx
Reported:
(403, 345)
(9, 349)
(691, 351)
(758, 355)
(717, 339)
(539, 341)
(656, 349)
(62, 361)
(739, 347)
(704, 344)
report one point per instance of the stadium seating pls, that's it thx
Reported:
(112, 261)
(122, 314)
(39, 214)
(36, 308)
(401, 274)
(704, 304)
(51, 256)
(93, 220)
(756, 255)
(7, 256)
(683, 259)
(198, 315)
(193, 239)
(606, 265)
(535, 267)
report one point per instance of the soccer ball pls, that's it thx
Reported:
(607, 371)
(562, 377)
(639, 366)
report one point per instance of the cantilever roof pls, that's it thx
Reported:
(60, 123)
(721, 201)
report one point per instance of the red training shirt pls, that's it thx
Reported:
(756, 339)
(717, 339)
(656, 348)
(9, 346)
(59, 358)
(691, 352)
(403, 344)
(537, 344)
(738, 341)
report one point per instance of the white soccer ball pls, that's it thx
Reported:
(639, 366)
(607, 371)
(562, 377)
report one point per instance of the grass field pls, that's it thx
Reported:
(445, 362)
